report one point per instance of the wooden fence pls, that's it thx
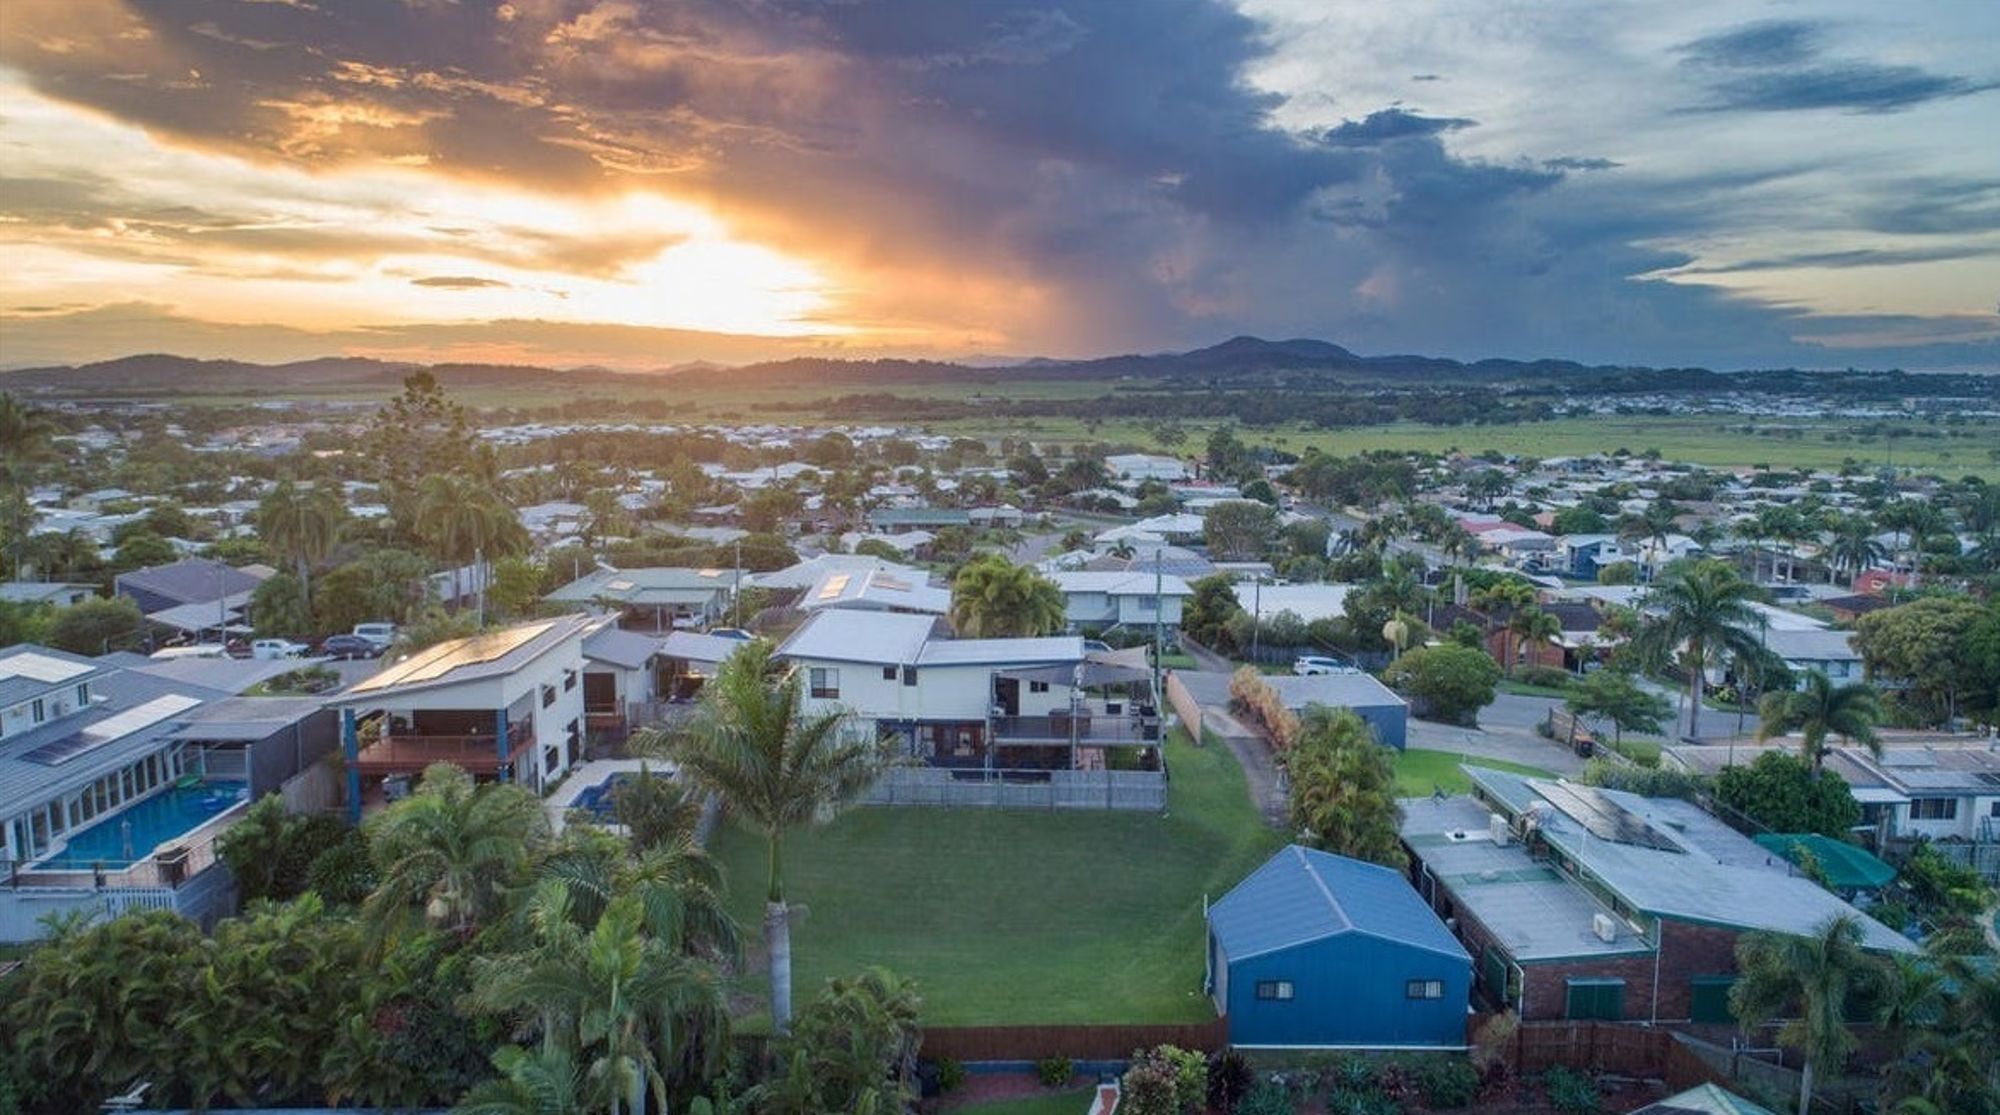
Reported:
(1078, 1043)
(1613, 1047)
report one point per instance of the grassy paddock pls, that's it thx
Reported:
(1420, 772)
(1019, 916)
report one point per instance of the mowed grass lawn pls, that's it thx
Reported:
(1017, 916)
(1420, 772)
(1069, 1102)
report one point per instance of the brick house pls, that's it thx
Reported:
(1578, 903)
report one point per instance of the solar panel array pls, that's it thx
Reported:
(835, 585)
(1603, 817)
(111, 729)
(40, 667)
(442, 659)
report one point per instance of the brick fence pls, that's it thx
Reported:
(1079, 1043)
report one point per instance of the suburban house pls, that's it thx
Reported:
(504, 705)
(1314, 950)
(891, 520)
(193, 581)
(620, 679)
(1823, 650)
(1585, 903)
(1137, 468)
(811, 571)
(876, 590)
(687, 659)
(1585, 555)
(115, 782)
(1136, 598)
(977, 704)
(655, 599)
(58, 593)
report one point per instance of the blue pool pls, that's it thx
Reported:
(120, 839)
(600, 799)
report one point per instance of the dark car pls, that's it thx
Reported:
(349, 646)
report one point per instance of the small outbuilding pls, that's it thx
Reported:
(1315, 950)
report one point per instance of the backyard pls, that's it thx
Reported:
(1019, 916)
(1420, 773)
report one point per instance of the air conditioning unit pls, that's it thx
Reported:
(1605, 927)
(1498, 829)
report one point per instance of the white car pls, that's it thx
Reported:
(381, 634)
(1310, 664)
(277, 648)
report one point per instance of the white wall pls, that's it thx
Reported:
(1971, 811)
(941, 693)
(1132, 611)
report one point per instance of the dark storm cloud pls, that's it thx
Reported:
(1779, 66)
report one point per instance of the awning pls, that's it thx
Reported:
(1095, 670)
(1845, 866)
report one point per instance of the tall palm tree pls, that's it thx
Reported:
(1854, 547)
(1533, 628)
(778, 766)
(463, 519)
(992, 597)
(1813, 975)
(1700, 608)
(453, 847)
(1819, 708)
(301, 524)
(1653, 526)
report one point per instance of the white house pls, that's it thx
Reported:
(504, 705)
(876, 590)
(1140, 467)
(619, 671)
(1109, 599)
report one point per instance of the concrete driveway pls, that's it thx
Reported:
(1506, 732)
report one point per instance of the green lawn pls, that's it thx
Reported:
(1070, 1102)
(1523, 689)
(1419, 772)
(1019, 916)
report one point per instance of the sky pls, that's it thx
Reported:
(631, 184)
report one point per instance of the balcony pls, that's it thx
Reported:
(410, 754)
(1087, 728)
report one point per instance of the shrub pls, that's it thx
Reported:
(1249, 692)
(1147, 1088)
(1270, 1098)
(950, 1074)
(1347, 1101)
(1447, 1082)
(1547, 677)
(1229, 1080)
(1350, 1073)
(1054, 1072)
(1570, 1092)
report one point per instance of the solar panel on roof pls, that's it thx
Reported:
(1603, 817)
(445, 657)
(883, 580)
(40, 667)
(111, 729)
(834, 586)
(619, 585)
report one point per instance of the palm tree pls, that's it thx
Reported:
(778, 766)
(542, 1082)
(1653, 526)
(1814, 975)
(1818, 708)
(992, 597)
(454, 847)
(301, 524)
(1854, 547)
(1701, 608)
(1532, 627)
(463, 520)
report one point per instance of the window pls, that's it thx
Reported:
(909, 675)
(38, 711)
(888, 673)
(1708, 999)
(1278, 990)
(825, 682)
(1149, 604)
(1933, 809)
(1038, 687)
(548, 695)
(1596, 998)
(83, 694)
(1993, 810)
(1424, 989)
(569, 680)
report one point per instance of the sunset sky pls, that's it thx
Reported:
(639, 184)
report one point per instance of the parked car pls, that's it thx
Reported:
(1308, 664)
(277, 648)
(381, 634)
(200, 650)
(350, 646)
(1096, 646)
(732, 633)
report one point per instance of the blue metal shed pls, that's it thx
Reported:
(1318, 950)
(1372, 701)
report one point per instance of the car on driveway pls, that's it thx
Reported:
(350, 646)
(1307, 665)
(277, 648)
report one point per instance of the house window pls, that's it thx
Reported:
(38, 711)
(1038, 687)
(888, 673)
(1708, 999)
(1149, 604)
(825, 681)
(1993, 810)
(548, 695)
(909, 675)
(1278, 990)
(569, 680)
(1595, 998)
(1423, 989)
(1933, 809)
(83, 694)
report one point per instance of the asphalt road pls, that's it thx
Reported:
(1506, 732)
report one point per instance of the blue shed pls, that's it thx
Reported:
(1373, 702)
(1319, 950)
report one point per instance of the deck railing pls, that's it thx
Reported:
(412, 753)
(1089, 728)
(166, 868)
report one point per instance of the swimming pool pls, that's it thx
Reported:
(121, 839)
(601, 800)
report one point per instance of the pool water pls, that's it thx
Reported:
(601, 799)
(163, 817)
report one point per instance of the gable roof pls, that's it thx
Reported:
(455, 661)
(617, 647)
(190, 581)
(1128, 582)
(1301, 895)
(653, 585)
(844, 635)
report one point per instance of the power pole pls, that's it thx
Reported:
(736, 591)
(479, 584)
(1159, 642)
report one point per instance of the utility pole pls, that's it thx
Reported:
(1159, 640)
(1257, 617)
(736, 592)
(479, 584)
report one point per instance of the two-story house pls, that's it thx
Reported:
(1095, 601)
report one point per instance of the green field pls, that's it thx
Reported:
(1419, 773)
(1019, 916)
(1069, 1102)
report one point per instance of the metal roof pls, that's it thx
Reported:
(1002, 652)
(1301, 895)
(1130, 582)
(626, 649)
(493, 654)
(690, 646)
(28, 671)
(24, 781)
(653, 585)
(1334, 691)
(189, 581)
(842, 635)
(245, 719)
(1704, 1099)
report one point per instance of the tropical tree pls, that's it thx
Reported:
(26, 440)
(992, 597)
(1807, 981)
(535, 1082)
(1700, 608)
(777, 766)
(300, 524)
(1343, 787)
(1652, 525)
(1618, 698)
(854, 1050)
(1533, 628)
(463, 519)
(453, 848)
(1943, 1014)
(1819, 708)
(1854, 547)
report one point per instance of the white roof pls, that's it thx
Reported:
(1002, 652)
(806, 573)
(877, 588)
(1121, 583)
(843, 635)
